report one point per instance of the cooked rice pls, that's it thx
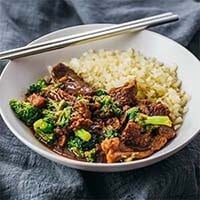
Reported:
(155, 81)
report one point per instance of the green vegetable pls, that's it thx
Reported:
(44, 130)
(82, 149)
(101, 92)
(36, 87)
(82, 99)
(25, 111)
(132, 113)
(144, 120)
(49, 116)
(90, 155)
(56, 106)
(158, 120)
(64, 117)
(109, 107)
(43, 126)
(83, 134)
(82, 145)
(111, 133)
(57, 113)
(75, 142)
(78, 152)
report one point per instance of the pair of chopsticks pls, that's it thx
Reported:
(81, 38)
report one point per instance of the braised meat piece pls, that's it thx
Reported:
(81, 118)
(167, 132)
(158, 109)
(73, 84)
(144, 104)
(78, 122)
(83, 109)
(114, 122)
(124, 95)
(58, 95)
(36, 100)
(132, 136)
(97, 126)
(62, 140)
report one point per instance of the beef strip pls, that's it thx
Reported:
(124, 95)
(167, 132)
(82, 116)
(73, 84)
(97, 126)
(36, 100)
(143, 104)
(132, 136)
(62, 141)
(114, 122)
(79, 122)
(158, 109)
(57, 94)
(83, 109)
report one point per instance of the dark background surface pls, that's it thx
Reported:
(26, 175)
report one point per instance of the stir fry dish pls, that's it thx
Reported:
(76, 121)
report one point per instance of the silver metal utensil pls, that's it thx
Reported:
(81, 38)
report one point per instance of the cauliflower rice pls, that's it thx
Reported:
(155, 81)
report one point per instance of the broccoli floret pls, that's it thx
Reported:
(101, 92)
(145, 120)
(36, 87)
(56, 106)
(77, 142)
(58, 113)
(64, 117)
(109, 107)
(83, 149)
(83, 134)
(44, 130)
(49, 116)
(25, 111)
(132, 113)
(90, 155)
(111, 133)
(82, 99)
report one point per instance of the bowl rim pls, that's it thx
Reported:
(61, 159)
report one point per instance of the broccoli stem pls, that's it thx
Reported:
(83, 134)
(44, 130)
(158, 120)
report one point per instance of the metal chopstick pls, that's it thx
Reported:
(88, 36)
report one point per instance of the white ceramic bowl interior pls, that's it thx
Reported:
(20, 73)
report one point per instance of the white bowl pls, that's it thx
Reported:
(20, 73)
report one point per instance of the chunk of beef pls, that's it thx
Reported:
(78, 122)
(124, 95)
(167, 132)
(114, 122)
(59, 71)
(81, 117)
(36, 100)
(132, 136)
(143, 104)
(158, 109)
(58, 95)
(62, 140)
(73, 84)
(97, 126)
(83, 109)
